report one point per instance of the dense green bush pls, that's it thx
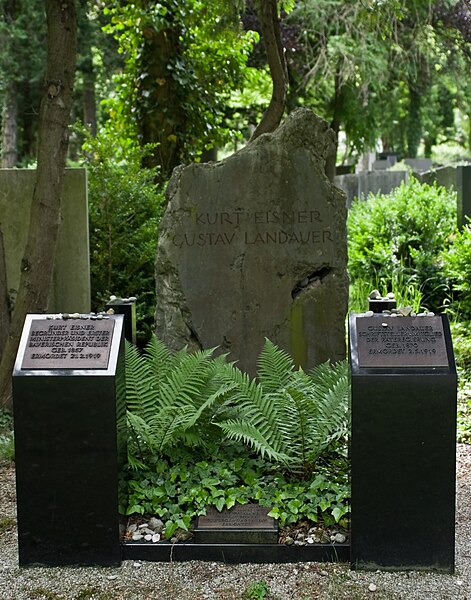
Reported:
(457, 266)
(403, 232)
(125, 207)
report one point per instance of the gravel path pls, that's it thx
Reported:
(200, 580)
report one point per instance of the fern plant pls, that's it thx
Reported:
(167, 395)
(288, 415)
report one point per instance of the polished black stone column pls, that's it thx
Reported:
(126, 307)
(402, 452)
(70, 443)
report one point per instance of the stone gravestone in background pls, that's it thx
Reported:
(71, 281)
(255, 246)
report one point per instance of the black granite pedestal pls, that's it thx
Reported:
(126, 307)
(403, 444)
(70, 440)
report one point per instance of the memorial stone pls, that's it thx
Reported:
(70, 439)
(254, 247)
(404, 388)
(71, 278)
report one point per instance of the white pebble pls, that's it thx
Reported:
(372, 587)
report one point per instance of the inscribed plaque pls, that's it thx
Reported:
(71, 344)
(241, 516)
(401, 342)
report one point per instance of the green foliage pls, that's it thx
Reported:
(7, 524)
(207, 61)
(180, 487)
(404, 231)
(461, 335)
(406, 291)
(463, 433)
(7, 443)
(171, 399)
(179, 405)
(125, 207)
(257, 590)
(289, 416)
(457, 266)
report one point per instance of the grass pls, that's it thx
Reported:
(7, 445)
(7, 524)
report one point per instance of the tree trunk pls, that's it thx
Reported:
(85, 42)
(162, 119)
(270, 27)
(10, 128)
(414, 122)
(331, 159)
(38, 261)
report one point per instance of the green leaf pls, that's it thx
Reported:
(219, 503)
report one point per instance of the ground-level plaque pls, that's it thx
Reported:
(242, 524)
(70, 443)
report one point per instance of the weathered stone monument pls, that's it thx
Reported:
(255, 246)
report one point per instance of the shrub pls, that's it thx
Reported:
(287, 416)
(403, 232)
(457, 266)
(171, 400)
(125, 207)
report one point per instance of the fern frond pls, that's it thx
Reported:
(332, 390)
(241, 431)
(159, 358)
(274, 367)
(185, 382)
(254, 406)
(138, 395)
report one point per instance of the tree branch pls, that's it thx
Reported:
(270, 27)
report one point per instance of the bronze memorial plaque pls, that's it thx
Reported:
(401, 342)
(71, 344)
(240, 516)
